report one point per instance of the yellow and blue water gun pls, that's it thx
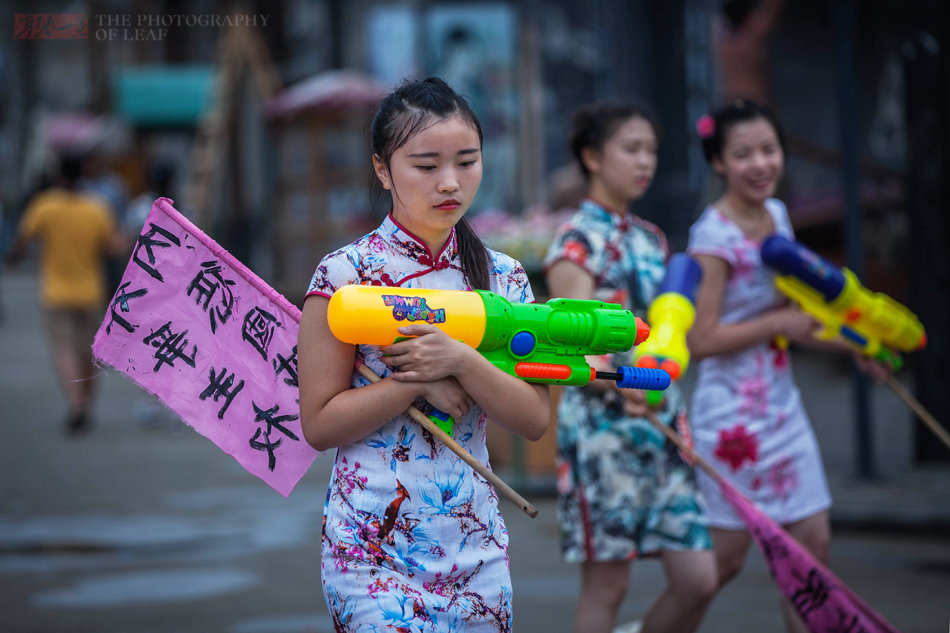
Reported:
(671, 315)
(537, 342)
(872, 322)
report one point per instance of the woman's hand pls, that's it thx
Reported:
(447, 395)
(431, 355)
(635, 403)
(794, 324)
(878, 371)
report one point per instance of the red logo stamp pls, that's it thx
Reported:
(51, 26)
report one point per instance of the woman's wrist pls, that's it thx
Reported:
(467, 362)
(773, 325)
(408, 389)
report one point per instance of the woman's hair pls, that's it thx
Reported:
(713, 128)
(410, 108)
(593, 124)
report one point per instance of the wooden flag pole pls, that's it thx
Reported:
(686, 450)
(919, 409)
(459, 450)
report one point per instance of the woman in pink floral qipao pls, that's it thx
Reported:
(412, 537)
(748, 418)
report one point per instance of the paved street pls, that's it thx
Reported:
(150, 528)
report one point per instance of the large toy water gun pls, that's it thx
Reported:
(671, 316)
(537, 342)
(870, 321)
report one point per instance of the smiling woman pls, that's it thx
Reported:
(413, 537)
(749, 420)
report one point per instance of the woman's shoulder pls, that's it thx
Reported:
(709, 216)
(509, 278)
(711, 223)
(651, 230)
(504, 265)
(349, 264)
(780, 218)
(713, 234)
(373, 241)
(590, 216)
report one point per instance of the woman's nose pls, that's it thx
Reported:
(448, 181)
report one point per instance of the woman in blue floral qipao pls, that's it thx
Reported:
(624, 491)
(412, 536)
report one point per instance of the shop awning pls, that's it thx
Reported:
(163, 96)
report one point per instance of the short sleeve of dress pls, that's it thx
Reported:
(783, 224)
(580, 245)
(334, 271)
(509, 278)
(712, 235)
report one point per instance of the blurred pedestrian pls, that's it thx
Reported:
(740, 38)
(77, 231)
(624, 491)
(748, 417)
(413, 538)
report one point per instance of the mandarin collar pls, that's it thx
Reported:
(414, 248)
(620, 220)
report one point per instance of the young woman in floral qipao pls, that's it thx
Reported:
(412, 537)
(748, 418)
(623, 489)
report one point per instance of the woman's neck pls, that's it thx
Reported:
(752, 218)
(605, 199)
(740, 208)
(434, 239)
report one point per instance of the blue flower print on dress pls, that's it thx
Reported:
(448, 490)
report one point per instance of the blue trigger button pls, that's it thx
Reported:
(522, 344)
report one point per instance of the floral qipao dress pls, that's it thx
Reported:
(412, 537)
(748, 418)
(623, 489)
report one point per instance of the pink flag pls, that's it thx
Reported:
(825, 604)
(190, 324)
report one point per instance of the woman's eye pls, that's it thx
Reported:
(425, 167)
(468, 163)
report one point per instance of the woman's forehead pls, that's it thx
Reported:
(752, 131)
(634, 127)
(442, 133)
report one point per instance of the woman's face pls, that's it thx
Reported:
(751, 161)
(623, 169)
(433, 178)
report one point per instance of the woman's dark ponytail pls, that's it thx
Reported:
(474, 256)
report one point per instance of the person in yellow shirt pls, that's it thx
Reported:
(77, 232)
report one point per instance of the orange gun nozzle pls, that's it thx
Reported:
(671, 367)
(647, 362)
(643, 331)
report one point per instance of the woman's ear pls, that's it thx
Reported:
(382, 172)
(592, 159)
(717, 166)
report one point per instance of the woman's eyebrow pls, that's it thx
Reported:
(471, 150)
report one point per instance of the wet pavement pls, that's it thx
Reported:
(144, 526)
